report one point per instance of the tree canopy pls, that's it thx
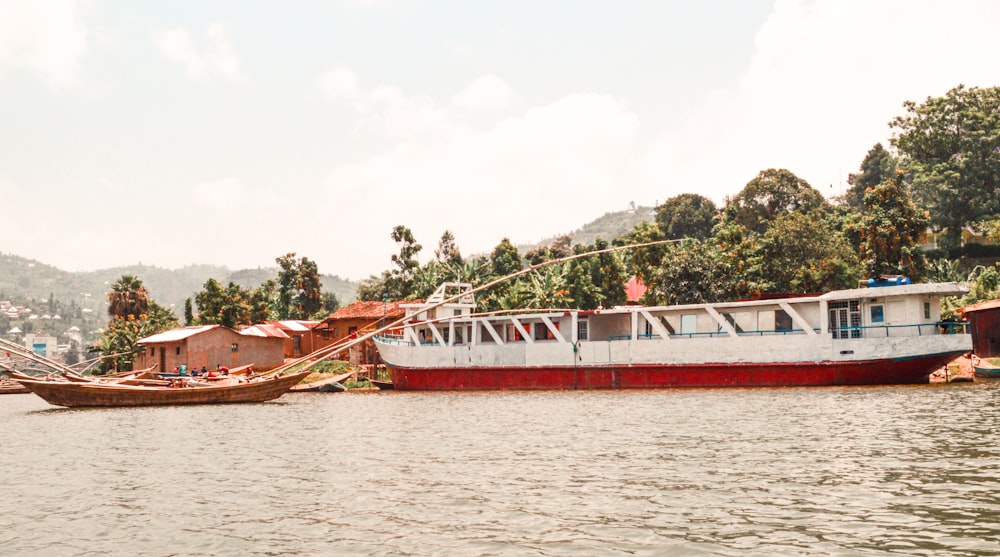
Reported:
(950, 146)
(770, 194)
(687, 215)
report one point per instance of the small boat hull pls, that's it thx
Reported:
(987, 372)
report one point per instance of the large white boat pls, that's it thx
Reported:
(865, 336)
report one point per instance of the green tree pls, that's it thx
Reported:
(890, 231)
(598, 280)
(559, 248)
(691, 272)
(128, 297)
(772, 193)
(504, 260)
(188, 312)
(406, 262)
(447, 252)
(229, 306)
(299, 287)
(803, 253)
(877, 166)
(642, 262)
(687, 215)
(330, 304)
(950, 146)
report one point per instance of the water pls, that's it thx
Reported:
(824, 471)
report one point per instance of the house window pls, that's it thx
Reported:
(152, 351)
(582, 329)
(235, 347)
(178, 350)
(297, 344)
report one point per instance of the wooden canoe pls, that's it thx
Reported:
(65, 393)
(328, 385)
(987, 372)
(12, 388)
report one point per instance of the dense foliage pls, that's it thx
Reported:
(950, 148)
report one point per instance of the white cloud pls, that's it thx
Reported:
(340, 84)
(545, 170)
(824, 82)
(216, 60)
(229, 199)
(44, 36)
(486, 94)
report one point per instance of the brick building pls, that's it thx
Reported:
(211, 346)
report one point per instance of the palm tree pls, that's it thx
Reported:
(128, 297)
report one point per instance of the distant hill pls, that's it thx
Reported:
(608, 227)
(23, 278)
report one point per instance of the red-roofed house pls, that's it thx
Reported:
(210, 346)
(353, 320)
(300, 337)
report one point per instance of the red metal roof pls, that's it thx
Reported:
(297, 326)
(263, 330)
(981, 306)
(174, 335)
(369, 310)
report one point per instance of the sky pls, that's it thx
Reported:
(234, 132)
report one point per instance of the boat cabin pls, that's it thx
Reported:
(904, 310)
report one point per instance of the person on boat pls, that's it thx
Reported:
(203, 370)
(224, 370)
(183, 369)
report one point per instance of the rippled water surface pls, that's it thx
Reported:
(826, 471)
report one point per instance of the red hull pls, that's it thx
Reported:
(873, 372)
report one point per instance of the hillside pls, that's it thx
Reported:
(608, 227)
(30, 280)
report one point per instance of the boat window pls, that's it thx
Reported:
(666, 324)
(878, 314)
(582, 329)
(927, 310)
(689, 324)
(782, 321)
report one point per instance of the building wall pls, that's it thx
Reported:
(213, 348)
